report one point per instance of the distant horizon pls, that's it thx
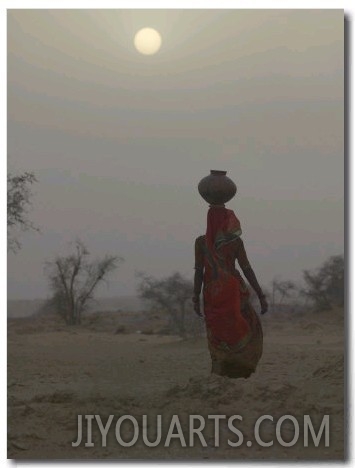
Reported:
(95, 298)
(298, 283)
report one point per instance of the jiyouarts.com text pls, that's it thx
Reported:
(127, 430)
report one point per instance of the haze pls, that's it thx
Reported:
(119, 141)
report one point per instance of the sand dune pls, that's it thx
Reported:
(56, 373)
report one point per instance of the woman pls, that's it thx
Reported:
(234, 333)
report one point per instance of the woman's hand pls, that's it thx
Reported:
(263, 304)
(196, 302)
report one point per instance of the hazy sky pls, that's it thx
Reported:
(119, 140)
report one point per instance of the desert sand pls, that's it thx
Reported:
(56, 372)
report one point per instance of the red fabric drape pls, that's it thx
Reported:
(222, 296)
(220, 220)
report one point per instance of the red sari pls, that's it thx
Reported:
(234, 333)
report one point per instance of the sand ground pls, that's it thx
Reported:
(57, 372)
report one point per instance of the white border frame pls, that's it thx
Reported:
(348, 7)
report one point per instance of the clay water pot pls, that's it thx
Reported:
(217, 188)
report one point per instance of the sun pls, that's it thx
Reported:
(147, 41)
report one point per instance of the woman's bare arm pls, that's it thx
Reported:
(198, 280)
(250, 275)
(198, 277)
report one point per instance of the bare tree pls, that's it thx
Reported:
(73, 280)
(284, 289)
(172, 295)
(18, 203)
(325, 286)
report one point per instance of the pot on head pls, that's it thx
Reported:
(217, 188)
